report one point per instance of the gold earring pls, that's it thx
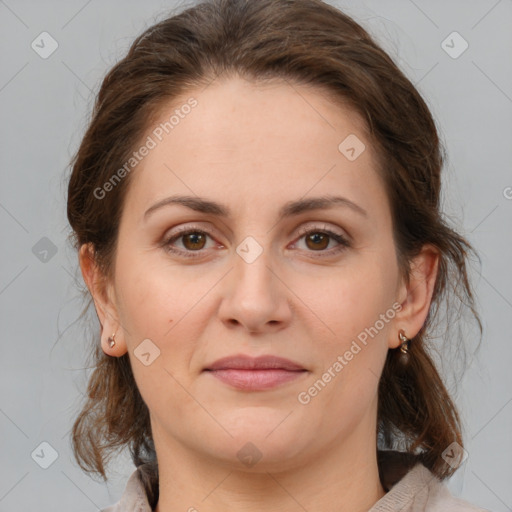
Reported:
(404, 355)
(404, 346)
(112, 340)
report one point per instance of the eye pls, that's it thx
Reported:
(317, 240)
(192, 239)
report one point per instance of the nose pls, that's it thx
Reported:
(255, 297)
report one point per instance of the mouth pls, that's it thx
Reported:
(255, 373)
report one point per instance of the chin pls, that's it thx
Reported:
(261, 440)
(259, 456)
(261, 423)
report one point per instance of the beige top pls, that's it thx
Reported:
(418, 491)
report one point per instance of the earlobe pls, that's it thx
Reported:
(418, 293)
(112, 346)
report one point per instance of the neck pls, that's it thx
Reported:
(344, 477)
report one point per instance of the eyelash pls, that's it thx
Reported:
(166, 244)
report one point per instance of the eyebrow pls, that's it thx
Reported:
(289, 209)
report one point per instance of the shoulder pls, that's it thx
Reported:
(418, 490)
(134, 497)
(421, 491)
(437, 496)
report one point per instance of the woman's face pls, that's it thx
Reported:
(248, 281)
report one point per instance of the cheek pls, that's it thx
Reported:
(144, 303)
(349, 301)
(166, 305)
(355, 306)
(153, 297)
(151, 312)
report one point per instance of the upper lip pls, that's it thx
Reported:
(244, 362)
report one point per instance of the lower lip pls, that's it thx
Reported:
(256, 380)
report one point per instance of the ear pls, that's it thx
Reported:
(102, 293)
(415, 296)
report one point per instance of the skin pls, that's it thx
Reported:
(252, 148)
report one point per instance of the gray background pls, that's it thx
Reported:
(45, 104)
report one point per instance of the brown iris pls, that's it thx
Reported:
(197, 241)
(316, 238)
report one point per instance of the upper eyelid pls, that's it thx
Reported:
(305, 229)
(182, 230)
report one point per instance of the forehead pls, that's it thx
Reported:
(258, 142)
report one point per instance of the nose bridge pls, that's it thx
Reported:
(255, 297)
(254, 277)
(254, 283)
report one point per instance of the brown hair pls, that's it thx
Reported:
(304, 42)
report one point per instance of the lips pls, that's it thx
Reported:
(255, 373)
(242, 362)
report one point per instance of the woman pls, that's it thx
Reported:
(256, 209)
